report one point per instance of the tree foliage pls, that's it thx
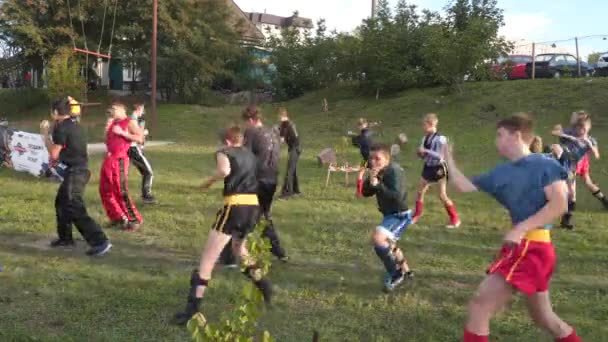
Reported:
(402, 47)
(63, 75)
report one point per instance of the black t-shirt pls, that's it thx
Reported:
(71, 136)
(266, 147)
(242, 177)
(288, 131)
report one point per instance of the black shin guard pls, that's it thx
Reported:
(261, 283)
(193, 303)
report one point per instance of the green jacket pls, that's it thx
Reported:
(390, 191)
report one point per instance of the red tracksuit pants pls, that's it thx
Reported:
(114, 191)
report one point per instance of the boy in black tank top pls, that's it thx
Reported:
(236, 165)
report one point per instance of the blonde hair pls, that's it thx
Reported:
(536, 146)
(580, 115)
(283, 112)
(362, 122)
(431, 118)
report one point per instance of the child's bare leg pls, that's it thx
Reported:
(423, 187)
(541, 312)
(215, 244)
(492, 295)
(400, 258)
(593, 188)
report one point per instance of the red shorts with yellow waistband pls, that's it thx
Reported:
(527, 267)
(582, 168)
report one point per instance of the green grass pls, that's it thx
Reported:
(333, 284)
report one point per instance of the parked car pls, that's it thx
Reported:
(512, 67)
(556, 65)
(601, 67)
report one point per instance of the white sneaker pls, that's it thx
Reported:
(453, 226)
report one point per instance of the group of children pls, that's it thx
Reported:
(67, 146)
(535, 188)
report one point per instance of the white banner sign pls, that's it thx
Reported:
(28, 153)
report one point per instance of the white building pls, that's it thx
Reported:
(272, 25)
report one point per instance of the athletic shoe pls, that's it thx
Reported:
(284, 259)
(566, 222)
(605, 202)
(149, 199)
(391, 283)
(59, 243)
(117, 224)
(131, 226)
(415, 219)
(453, 225)
(230, 266)
(100, 250)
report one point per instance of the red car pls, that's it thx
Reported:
(512, 67)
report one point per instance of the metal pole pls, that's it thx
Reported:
(374, 8)
(154, 38)
(578, 58)
(533, 61)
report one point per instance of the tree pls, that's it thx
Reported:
(63, 75)
(464, 42)
(593, 57)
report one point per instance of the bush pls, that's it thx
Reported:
(15, 101)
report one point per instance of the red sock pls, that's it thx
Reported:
(570, 338)
(419, 205)
(470, 337)
(452, 213)
(360, 187)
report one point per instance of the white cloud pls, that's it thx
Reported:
(528, 26)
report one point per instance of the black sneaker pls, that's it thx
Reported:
(284, 259)
(100, 250)
(393, 282)
(566, 222)
(131, 226)
(59, 243)
(149, 199)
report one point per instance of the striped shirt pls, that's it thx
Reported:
(434, 143)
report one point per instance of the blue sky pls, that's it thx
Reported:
(534, 20)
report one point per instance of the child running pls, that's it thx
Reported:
(236, 165)
(121, 131)
(435, 170)
(137, 157)
(532, 188)
(387, 182)
(364, 140)
(583, 168)
(578, 146)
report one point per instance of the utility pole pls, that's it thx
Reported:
(374, 8)
(578, 57)
(154, 38)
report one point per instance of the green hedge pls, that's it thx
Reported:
(15, 101)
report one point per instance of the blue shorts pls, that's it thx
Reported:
(395, 225)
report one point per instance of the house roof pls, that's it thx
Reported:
(248, 30)
(276, 20)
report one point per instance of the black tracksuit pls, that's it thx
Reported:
(69, 203)
(288, 132)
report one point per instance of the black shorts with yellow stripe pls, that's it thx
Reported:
(238, 216)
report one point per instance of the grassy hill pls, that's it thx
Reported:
(333, 283)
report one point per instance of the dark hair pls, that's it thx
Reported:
(117, 101)
(62, 107)
(251, 112)
(381, 148)
(138, 103)
(518, 123)
(232, 134)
